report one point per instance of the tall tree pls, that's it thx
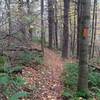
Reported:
(29, 25)
(21, 23)
(84, 23)
(95, 27)
(8, 2)
(56, 24)
(28, 6)
(65, 29)
(50, 22)
(94, 21)
(78, 29)
(42, 26)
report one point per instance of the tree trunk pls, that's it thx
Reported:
(94, 32)
(22, 28)
(28, 6)
(9, 18)
(74, 35)
(93, 28)
(56, 25)
(42, 26)
(65, 29)
(78, 20)
(50, 22)
(84, 23)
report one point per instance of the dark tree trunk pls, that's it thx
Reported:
(50, 22)
(42, 26)
(84, 24)
(65, 30)
(78, 30)
(56, 25)
(28, 6)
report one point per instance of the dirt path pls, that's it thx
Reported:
(48, 78)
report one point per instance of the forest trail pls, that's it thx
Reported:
(47, 79)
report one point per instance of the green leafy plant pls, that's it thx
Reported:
(70, 78)
(11, 83)
(66, 94)
(36, 40)
(82, 93)
(27, 57)
(38, 58)
(94, 79)
(70, 75)
(18, 95)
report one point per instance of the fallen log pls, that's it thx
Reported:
(96, 68)
(22, 48)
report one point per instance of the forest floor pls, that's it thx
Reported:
(45, 82)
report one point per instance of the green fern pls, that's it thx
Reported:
(14, 69)
(4, 79)
(10, 82)
(18, 95)
(27, 57)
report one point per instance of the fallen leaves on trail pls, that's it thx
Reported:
(46, 79)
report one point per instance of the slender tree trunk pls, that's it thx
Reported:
(28, 6)
(22, 28)
(50, 22)
(42, 26)
(78, 30)
(10, 63)
(65, 30)
(74, 35)
(61, 25)
(9, 18)
(29, 25)
(84, 24)
(71, 35)
(56, 25)
(93, 29)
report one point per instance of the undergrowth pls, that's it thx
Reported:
(36, 39)
(70, 78)
(10, 83)
(27, 57)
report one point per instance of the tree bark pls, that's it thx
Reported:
(56, 25)
(65, 29)
(93, 29)
(50, 22)
(42, 26)
(84, 23)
